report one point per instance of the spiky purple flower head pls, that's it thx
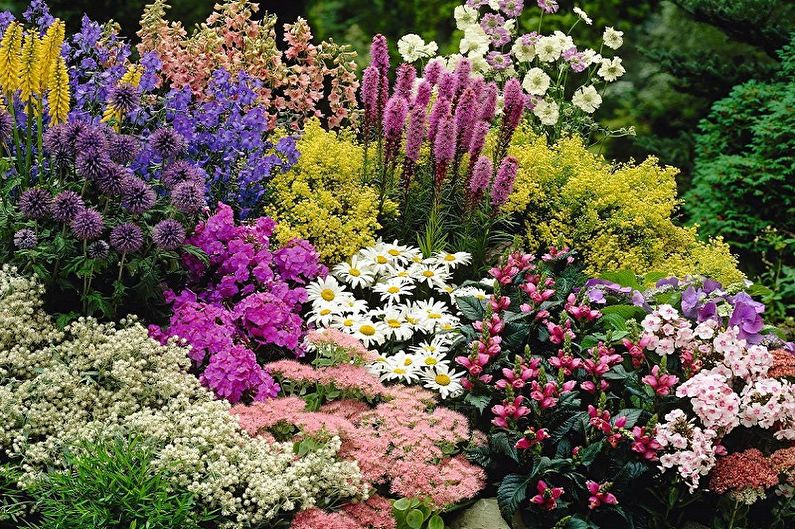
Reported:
(503, 182)
(466, 112)
(168, 143)
(488, 102)
(379, 54)
(415, 134)
(88, 224)
(66, 205)
(424, 94)
(123, 148)
(440, 108)
(188, 197)
(136, 195)
(433, 70)
(57, 144)
(93, 166)
(111, 182)
(514, 104)
(481, 176)
(72, 131)
(446, 86)
(125, 99)
(463, 69)
(368, 93)
(404, 82)
(98, 250)
(35, 203)
(478, 140)
(168, 234)
(445, 142)
(126, 238)
(6, 126)
(394, 120)
(25, 239)
(91, 141)
(181, 171)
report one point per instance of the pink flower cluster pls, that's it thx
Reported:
(245, 298)
(375, 513)
(404, 442)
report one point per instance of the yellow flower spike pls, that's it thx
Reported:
(10, 58)
(29, 82)
(58, 95)
(132, 76)
(49, 52)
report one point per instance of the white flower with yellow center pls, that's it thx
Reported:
(324, 314)
(377, 258)
(354, 306)
(327, 291)
(345, 323)
(547, 112)
(548, 49)
(401, 367)
(428, 360)
(613, 38)
(398, 252)
(434, 275)
(369, 331)
(611, 69)
(443, 380)
(469, 292)
(396, 325)
(453, 260)
(431, 314)
(393, 290)
(356, 273)
(440, 344)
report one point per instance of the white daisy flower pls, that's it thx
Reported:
(469, 292)
(536, 82)
(397, 326)
(443, 380)
(344, 323)
(613, 38)
(398, 252)
(323, 316)
(453, 260)
(393, 290)
(377, 258)
(587, 99)
(369, 332)
(440, 344)
(356, 273)
(401, 367)
(327, 291)
(434, 275)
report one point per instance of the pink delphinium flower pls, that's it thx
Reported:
(599, 494)
(660, 383)
(547, 497)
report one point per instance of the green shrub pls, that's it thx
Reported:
(110, 484)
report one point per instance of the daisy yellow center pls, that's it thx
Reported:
(393, 290)
(434, 315)
(347, 323)
(393, 252)
(402, 273)
(442, 379)
(400, 371)
(431, 361)
(408, 361)
(428, 273)
(355, 272)
(431, 349)
(393, 323)
(446, 326)
(381, 259)
(449, 258)
(325, 312)
(367, 330)
(327, 294)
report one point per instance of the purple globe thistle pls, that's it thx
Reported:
(168, 234)
(25, 239)
(35, 203)
(56, 144)
(93, 166)
(168, 143)
(6, 126)
(87, 225)
(181, 171)
(136, 195)
(66, 205)
(188, 197)
(91, 140)
(126, 238)
(98, 250)
(124, 99)
(111, 182)
(72, 131)
(123, 148)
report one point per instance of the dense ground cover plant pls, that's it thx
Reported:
(596, 391)
(242, 305)
(90, 380)
(405, 445)
(618, 216)
(295, 83)
(394, 299)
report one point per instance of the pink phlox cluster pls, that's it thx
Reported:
(691, 450)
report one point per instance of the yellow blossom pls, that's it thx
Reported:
(58, 95)
(30, 83)
(50, 52)
(10, 58)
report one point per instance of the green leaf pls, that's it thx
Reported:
(632, 415)
(512, 492)
(627, 312)
(402, 504)
(625, 278)
(436, 522)
(415, 518)
(577, 523)
(472, 308)
(589, 453)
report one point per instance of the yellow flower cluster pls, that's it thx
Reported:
(33, 66)
(323, 199)
(616, 216)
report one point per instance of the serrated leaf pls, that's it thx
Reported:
(588, 454)
(511, 492)
(471, 307)
(632, 415)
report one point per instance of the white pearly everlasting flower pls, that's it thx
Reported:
(613, 38)
(587, 99)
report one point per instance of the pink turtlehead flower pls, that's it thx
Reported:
(531, 438)
(645, 444)
(565, 361)
(547, 497)
(660, 383)
(599, 495)
(509, 411)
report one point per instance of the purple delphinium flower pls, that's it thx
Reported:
(188, 197)
(167, 143)
(66, 205)
(168, 234)
(35, 203)
(38, 14)
(123, 148)
(25, 239)
(136, 195)
(87, 225)
(98, 250)
(126, 238)
(503, 182)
